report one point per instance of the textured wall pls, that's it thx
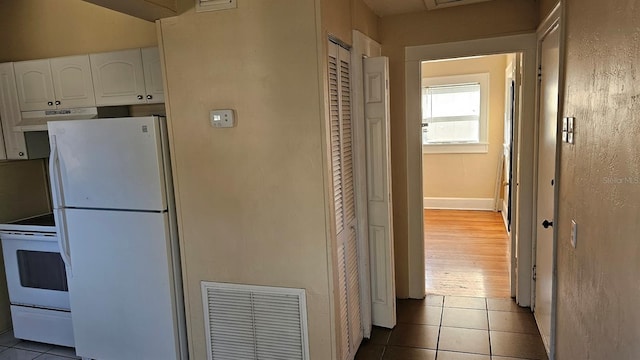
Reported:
(598, 286)
(251, 199)
(476, 21)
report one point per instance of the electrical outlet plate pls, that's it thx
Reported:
(222, 118)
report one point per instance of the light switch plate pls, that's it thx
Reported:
(574, 233)
(222, 118)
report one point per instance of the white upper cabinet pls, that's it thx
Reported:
(35, 86)
(59, 83)
(72, 82)
(153, 75)
(10, 114)
(118, 78)
(127, 77)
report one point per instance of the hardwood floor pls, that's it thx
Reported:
(467, 253)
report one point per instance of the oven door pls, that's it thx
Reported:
(35, 271)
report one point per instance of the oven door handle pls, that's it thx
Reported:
(56, 197)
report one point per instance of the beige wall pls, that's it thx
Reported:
(23, 193)
(481, 20)
(37, 29)
(598, 286)
(340, 17)
(468, 175)
(251, 198)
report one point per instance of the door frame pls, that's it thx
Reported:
(524, 143)
(555, 18)
(363, 46)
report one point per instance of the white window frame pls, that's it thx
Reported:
(482, 146)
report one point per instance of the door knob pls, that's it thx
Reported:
(547, 223)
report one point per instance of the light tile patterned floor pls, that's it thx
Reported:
(457, 328)
(15, 349)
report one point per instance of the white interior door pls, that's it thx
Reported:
(342, 165)
(379, 205)
(546, 181)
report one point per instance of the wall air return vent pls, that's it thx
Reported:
(245, 322)
(439, 4)
(210, 5)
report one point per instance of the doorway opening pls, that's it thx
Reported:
(468, 112)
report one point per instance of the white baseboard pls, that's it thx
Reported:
(458, 203)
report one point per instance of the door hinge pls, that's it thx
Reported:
(540, 73)
(534, 272)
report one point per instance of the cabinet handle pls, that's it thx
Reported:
(149, 97)
(58, 102)
(21, 153)
(140, 97)
(50, 103)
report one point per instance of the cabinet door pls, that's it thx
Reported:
(72, 82)
(35, 88)
(10, 114)
(153, 75)
(118, 78)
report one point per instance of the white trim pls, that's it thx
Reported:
(445, 203)
(455, 148)
(524, 139)
(503, 206)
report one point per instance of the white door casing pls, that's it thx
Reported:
(380, 211)
(523, 145)
(546, 179)
(343, 185)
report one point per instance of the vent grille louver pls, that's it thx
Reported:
(211, 5)
(247, 322)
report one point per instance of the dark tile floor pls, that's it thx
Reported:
(457, 328)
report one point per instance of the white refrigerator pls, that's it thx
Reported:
(115, 214)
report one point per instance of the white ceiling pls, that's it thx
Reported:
(392, 7)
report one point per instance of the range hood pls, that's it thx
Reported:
(37, 120)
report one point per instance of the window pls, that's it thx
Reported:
(454, 113)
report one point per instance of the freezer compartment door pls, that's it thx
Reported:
(122, 290)
(109, 163)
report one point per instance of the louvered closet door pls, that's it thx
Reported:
(344, 200)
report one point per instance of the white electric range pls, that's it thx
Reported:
(37, 281)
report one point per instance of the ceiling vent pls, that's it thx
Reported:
(245, 322)
(439, 4)
(211, 5)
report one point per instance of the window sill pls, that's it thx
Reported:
(451, 148)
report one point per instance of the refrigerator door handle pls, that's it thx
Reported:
(56, 197)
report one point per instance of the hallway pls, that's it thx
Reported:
(466, 253)
(456, 328)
